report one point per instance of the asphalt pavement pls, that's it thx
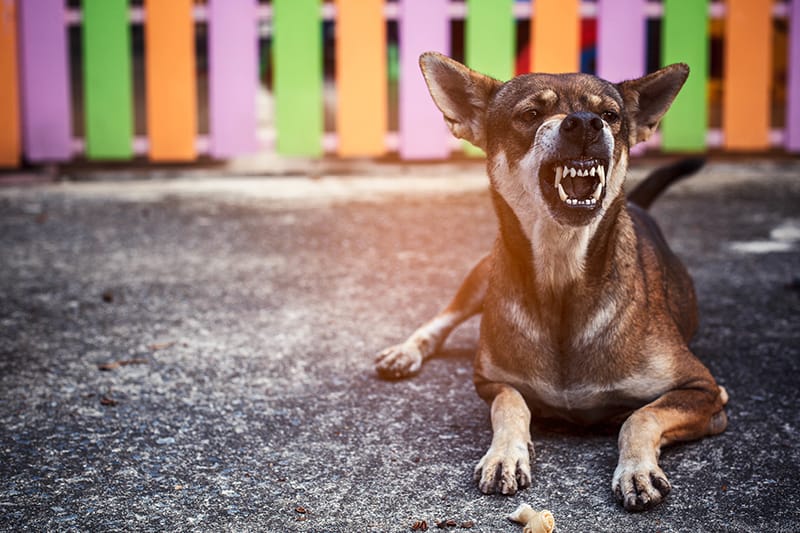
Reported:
(195, 354)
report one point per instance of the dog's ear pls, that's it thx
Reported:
(647, 99)
(460, 93)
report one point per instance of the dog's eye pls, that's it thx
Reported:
(610, 116)
(527, 115)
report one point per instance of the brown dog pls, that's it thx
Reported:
(586, 311)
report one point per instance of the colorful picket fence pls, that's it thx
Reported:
(36, 114)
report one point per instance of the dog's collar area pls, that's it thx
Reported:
(580, 183)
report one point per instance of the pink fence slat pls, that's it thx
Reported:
(621, 40)
(44, 76)
(424, 25)
(233, 77)
(793, 81)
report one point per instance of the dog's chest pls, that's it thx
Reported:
(573, 370)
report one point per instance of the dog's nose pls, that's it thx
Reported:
(581, 127)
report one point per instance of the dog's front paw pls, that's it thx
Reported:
(505, 469)
(400, 361)
(639, 485)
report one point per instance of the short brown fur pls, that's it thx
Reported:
(586, 311)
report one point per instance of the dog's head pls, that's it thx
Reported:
(560, 140)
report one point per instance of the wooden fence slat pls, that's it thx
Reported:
(490, 34)
(490, 37)
(107, 85)
(555, 36)
(747, 75)
(232, 77)
(792, 143)
(424, 25)
(297, 76)
(171, 89)
(44, 72)
(621, 41)
(361, 82)
(10, 139)
(685, 38)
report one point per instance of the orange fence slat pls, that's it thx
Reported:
(361, 112)
(747, 75)
(555, 36)
(10, 137)
(171, 91)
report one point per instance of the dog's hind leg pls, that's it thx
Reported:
(688, 413)
(404, 360)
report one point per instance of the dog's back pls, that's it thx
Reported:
(680, 294)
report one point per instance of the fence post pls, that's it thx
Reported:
(232, 77)
(490, 36)
(44, 69)
(621, 43)
(555, 31)
(424, 26)
(684, 38)
(170, 80)
(107, 85)
(748, 72)
(297, 76)
(792, 143)
(10, 142)
(361, 78)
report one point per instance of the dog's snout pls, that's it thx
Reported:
(581, 127)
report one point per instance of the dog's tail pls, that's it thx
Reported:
(646, 192)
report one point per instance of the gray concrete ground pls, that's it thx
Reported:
(195, 354)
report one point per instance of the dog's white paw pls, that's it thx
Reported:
(505, 469)
(399, 361)
(639, 485)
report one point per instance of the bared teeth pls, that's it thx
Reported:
(559, 175)
(597, 192)
(562, 193)
(571, 172)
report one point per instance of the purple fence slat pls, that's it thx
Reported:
(44, 76)
(424, 25)
(233, 77)
(621, 42)
(793, 81)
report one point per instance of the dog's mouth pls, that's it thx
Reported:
(579, 183)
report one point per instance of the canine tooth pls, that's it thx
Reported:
(597, 192)
(561, 193)
(602, 173)
(559, 175)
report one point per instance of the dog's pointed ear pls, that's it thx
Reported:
(461, 94)
(647, 99)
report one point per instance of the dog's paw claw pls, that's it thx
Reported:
(640, 487)
(504, 472)
(400, 361)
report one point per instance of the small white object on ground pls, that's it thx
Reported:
(534, 521)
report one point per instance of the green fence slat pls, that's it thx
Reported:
(108, 89)
(490, 37)
(685, 38)
(490, 42)
(297, 75)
